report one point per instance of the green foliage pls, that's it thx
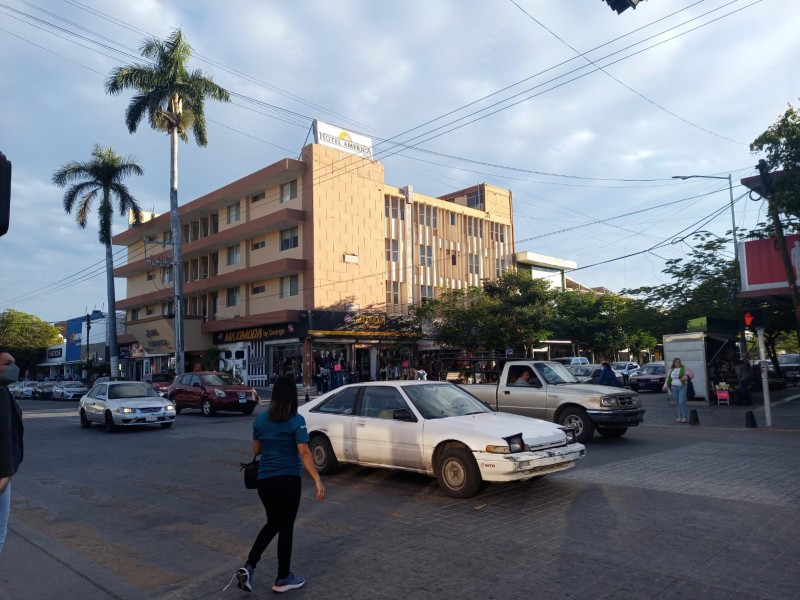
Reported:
(458, 319)
(26, 337)
(781, 144)
(210, 358)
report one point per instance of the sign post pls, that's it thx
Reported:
(764, 376)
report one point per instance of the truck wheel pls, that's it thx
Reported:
(612, 432)
(458, 474)
(576, 417)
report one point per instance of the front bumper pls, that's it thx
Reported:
(617, 418)
(524, 465)
(143, 418)
(233, 404)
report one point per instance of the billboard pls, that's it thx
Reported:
(761, 266)
(354, 143)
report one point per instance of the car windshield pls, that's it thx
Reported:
(48, 384)
(652, 370)
(219, 379)
(73, 384)
(161, 378)
(130, 390)
(437, 401)
(788, 359)
(619, 366)
(581, 370)
(554, 373)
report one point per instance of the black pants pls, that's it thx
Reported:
(281, 498)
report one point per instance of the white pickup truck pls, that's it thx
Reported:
(546, 390)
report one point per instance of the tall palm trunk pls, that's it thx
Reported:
(177, 257)
(111, 317)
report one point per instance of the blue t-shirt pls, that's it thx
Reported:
(279, 455)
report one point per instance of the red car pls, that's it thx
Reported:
(211, 391)
(159, 382)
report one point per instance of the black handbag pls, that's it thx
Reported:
(250, 473)
(689, 390)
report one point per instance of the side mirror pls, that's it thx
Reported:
(402, 414)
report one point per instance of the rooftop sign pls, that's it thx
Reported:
(329, 135)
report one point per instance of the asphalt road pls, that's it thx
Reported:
(666, 512)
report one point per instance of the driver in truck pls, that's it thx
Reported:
(524, 378)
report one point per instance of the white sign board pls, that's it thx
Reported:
(354, 143)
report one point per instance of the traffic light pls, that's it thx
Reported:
(621, 5)
(755, 318)
(5, 193)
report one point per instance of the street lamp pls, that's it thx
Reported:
(733, 212)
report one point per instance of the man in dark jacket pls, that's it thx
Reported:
(607, 376)
(10, 438)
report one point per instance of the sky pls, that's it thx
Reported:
(585, 115)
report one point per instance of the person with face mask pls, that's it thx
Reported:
(10, 438)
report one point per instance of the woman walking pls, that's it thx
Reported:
(281, 438)
(677, 379)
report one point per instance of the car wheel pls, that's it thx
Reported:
(166, 425)
(109, 423)
(577, 418)
(612, 432)
(458, 474)
(207, 409)
(85, 423)
(324, 459)
(634, 387)
(249, 411)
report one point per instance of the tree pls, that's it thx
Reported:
(173, 98)
(102, 176)
(595, 320)
(26, 337)
(458, 319)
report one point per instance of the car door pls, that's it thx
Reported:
(528, 400)
(195, 391)
(96, 405)
(379, 438)
(182, 387)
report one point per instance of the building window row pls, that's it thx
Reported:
(395, 207)
(392, 294)
(290, 286)
(234, 213)
(475, 200)
(289, 191)
(290, 238)
(392, 250)
(428, 215)
(425, 256)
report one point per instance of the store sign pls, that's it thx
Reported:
(331, 136)
(153, 337)
(762, 269)
(322, 322)
(55, 352)
(267, 332)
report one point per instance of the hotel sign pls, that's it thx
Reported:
(331, 136)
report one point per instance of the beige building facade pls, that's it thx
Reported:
(306, 265)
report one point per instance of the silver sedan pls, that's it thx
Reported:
(125, 404)
(69, 390)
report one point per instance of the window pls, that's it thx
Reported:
(380, 402)
(392, 292)
(395, 207)
(214, 264)
(289, 239)
(195, 230)
(501, 266)
(135, 314)
(232, 297)
(233, 255)
(166, 308)
(185, 230)
(257, 197)
(151, 275)
(453, 260)
(215, 223)
(474, 227)
(392, 251)
(497, 232)
(290, 286)
(259, 244)
(289, 191)
(428, 216)
(425, 256)
(426, 291)
(204, 267)
(258, 289)
(204, 226)
(452, 218)
(475, 200)
(166, 274)
(341, 403)
(233, 213)
(474, 264)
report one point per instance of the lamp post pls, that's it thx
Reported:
(733, 212)
(733, 222)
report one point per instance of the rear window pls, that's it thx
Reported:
(161, 378)
(788, 359)
(652, 370)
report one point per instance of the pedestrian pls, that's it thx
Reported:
(281, 438)
(744, 373)
(675, 383)
(607, 375)
(11, 432)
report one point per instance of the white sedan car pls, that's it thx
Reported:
(124, 404)
(435, 428)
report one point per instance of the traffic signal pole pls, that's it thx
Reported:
(762, 355)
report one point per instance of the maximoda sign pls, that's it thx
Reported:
(762, 268)
(328, 135)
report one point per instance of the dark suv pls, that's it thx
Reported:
(211, 391)
(650, 377)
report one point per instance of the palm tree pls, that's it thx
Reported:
(102, 175)
(173, 99)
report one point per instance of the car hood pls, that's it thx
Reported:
(139, 402)
(490, 428)
(231, 388)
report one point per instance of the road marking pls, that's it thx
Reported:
(49, 414)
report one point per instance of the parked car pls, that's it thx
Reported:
(69, 390)
(43, 390)
(107, 378)
(626, 368)
(159, 382)
(125, 404)
(571, 360)
(591, 373)
(211, 391)
(24, 389)
(650, 378)
(436, 428)
(790, 367)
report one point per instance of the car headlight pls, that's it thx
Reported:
(608, 401)
(515, 444)
(126, 410)
(220, 393)
(169, 407)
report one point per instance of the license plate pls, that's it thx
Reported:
(151, 418)
(242, 400)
